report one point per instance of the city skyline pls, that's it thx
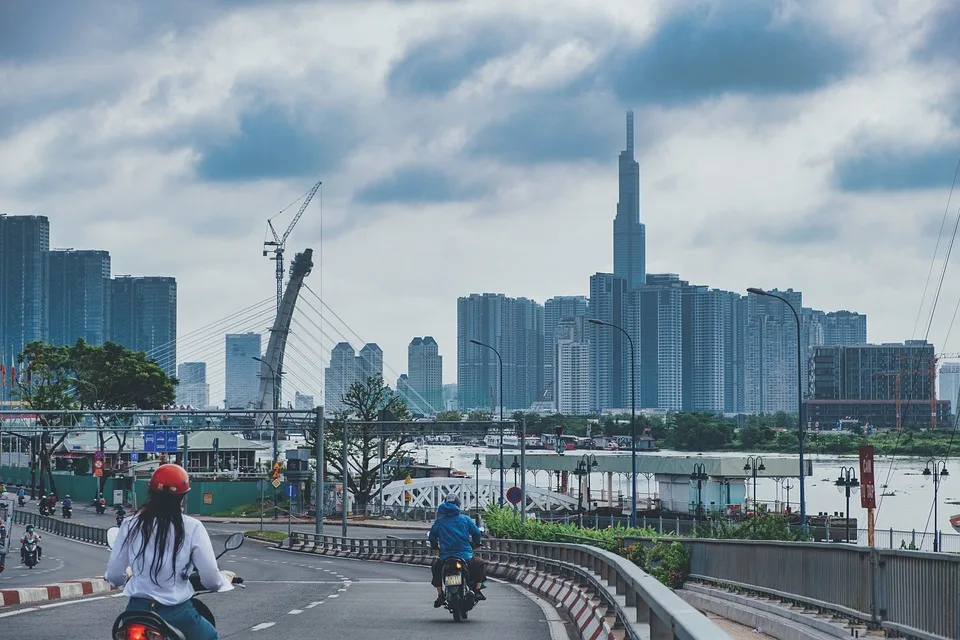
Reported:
(501, 160)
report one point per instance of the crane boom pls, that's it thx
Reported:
(279, 243)
(303, 207)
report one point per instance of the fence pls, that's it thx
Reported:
(82, 532)
(643, 607)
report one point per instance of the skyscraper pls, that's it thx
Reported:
(629, 234)
(949, 382)
(572, 358)
(770, 353)
(193, 389)
(554, 310)
(369, 362)
(656, 316)
(703, 349)
(515, 328)
(23, 283)
(303, 402)
(609, 350)
(144, 317)
(79, 296)
(338, 377)
(425, 376)
(242, 371)
(844, 328)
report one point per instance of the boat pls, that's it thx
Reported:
(510, 441)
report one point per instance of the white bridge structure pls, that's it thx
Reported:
(428, 493)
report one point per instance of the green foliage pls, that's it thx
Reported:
(637, 554)
(114, 377)
(266, 535)
(503, 522)
(669, 562)
(479, 416)
(765, 526)
(449, 416)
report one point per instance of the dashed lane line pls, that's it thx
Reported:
(314, 604)
(294, 612)
(262, 626)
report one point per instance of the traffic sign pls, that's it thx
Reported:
(275, 474)
(291, 490)
(276, 483)
(98, 455)
(514, 495)
(134, 456)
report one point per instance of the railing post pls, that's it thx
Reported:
(659, 629)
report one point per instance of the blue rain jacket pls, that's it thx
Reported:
(454, 532)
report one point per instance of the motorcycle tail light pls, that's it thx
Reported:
(138, 632)
(459, 566)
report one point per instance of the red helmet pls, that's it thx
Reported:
(170, 478)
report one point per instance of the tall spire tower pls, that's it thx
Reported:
(629, 234)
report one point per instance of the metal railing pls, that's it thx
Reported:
(914, 593)
(642, 606)
(82, 532)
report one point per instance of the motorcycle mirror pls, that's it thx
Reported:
(233, 542)
(112, 534)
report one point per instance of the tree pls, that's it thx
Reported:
(45, 383)
(367, 451)
(479, 416)
(449, 416)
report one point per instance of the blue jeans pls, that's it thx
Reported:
(182, 616)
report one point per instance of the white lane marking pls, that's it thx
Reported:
(341, 590)
(556, 625)
(52, 605)
(294, 612)
(313, 604)
(334, 595)
(262, 626)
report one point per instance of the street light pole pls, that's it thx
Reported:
(476, 474)
(276, 428)
(754, 464)
(633, 417)
(699, 475)
(938, 469)
(846, 482)
(800, 430)
(502, 470)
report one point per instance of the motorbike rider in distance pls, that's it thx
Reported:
(155, 552)
(456, 535)
(67, 503)
(30, 536)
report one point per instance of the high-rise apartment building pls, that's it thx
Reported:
(243, 371)
(656, 317)
(554, 310)
(845, 328)
(572, 360)
(949, 384)
(193, 389)
(512, 326)
(425, 376)
(303, 402)
(144, 317)
(24, 241)
(338, 377)
(79, 296)
(770, 353)
(629, 234)
(609, 349)
(369, 362)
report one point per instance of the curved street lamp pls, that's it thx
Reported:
(847, 482)
(937, 469)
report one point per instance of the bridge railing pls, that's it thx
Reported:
(644, 607)
(65, 528)
(913, 593)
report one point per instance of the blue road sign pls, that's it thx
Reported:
(291, 491)
(171, 441)
(149, 443)
(514, 494)
(160, 439)
(134, 456)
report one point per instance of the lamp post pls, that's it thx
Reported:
(788, 485)
(633, 417)
(800, 432)
(584, 466)
(276, 427)
(937, 469)
(476, 474)
(754, 465)
(699, 476)
(515, 465)
(502, 470)
(848, 482)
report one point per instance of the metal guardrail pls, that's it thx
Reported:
(642, 606)
(82, 532)
(914, 593)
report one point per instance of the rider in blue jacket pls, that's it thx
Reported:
(456, 535)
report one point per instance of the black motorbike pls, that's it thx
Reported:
(456, 583)
(46, 510)
(67, 511)
(101, 507)
(29, 552)
(21, 501)
(131, 625)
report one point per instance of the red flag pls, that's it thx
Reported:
(13, 375)
(3, 375)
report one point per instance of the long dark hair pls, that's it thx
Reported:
(159, 512)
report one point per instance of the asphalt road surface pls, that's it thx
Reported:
(62, 560)
(291, 594)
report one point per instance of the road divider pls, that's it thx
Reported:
(81, 532)
(58, 591)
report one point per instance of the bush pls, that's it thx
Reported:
(669, 562)
(637, 554)
(504, 522)
(765, 526)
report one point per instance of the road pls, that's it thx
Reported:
(290, 594)
(62, 560)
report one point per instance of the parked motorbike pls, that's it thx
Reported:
(67, 511)
(135, 625)
(456, 582)
(29, 550)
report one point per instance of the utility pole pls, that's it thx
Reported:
(318, 489)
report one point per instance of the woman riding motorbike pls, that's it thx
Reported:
(156, 550)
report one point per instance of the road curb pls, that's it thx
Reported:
(58, 591)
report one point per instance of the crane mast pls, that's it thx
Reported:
(278, 244)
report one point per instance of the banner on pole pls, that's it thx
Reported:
(868, 488)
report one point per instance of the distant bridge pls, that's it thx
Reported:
(428, 493)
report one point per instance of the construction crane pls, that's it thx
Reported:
(897, 376)
(278, 244)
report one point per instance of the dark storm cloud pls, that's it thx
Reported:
(417, 185)
(743, 47)
(273, 143)
(438, 65)
(897, 169)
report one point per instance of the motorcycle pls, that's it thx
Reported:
(46, 510)
(101, 507)
(135, 625)
(21, 501)
(67, 511)
(456, 582)
(29, 551)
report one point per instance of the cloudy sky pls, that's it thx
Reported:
(471, 146)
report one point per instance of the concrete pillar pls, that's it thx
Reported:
(610, 489)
